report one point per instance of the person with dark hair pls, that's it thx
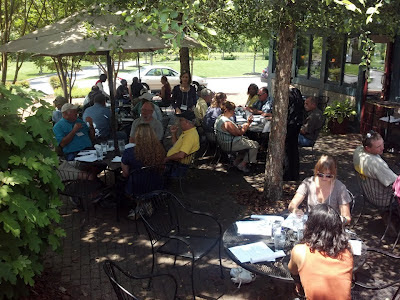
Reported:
(101, 116)
(99, 84)
(165, 92)
(136, 87)
(89, 99)
(367, 159)
(122, 93)
(312, 124)
(323, 187)
(294, 121)
(240, 143)
(206, 95)
(184, 96)
(252, 91)
(214, 111)
(323, 263)
(263, 105)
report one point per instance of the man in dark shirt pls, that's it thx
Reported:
(312, 124)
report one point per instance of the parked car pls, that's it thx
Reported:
(264, 74)
(151, 77)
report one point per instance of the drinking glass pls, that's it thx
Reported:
(279, 241)
(121, 146)
(99, 152)
(276, 228)
(110, 145)
(104, 147)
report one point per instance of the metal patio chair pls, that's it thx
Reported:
(116, 274)
(173, 230)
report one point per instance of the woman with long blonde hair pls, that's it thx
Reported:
(148, 151)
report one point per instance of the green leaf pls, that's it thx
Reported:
(9, 223)
(164, 27)
(211, 31)
(168, 36)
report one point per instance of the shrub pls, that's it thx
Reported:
(76, 92)
(23, 83)
(229, 57)
(29, 189)
(201, 56)
(55, 82)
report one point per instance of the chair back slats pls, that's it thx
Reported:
(158, 210)
(145, 180)
(224, 140)
(210, 136)
(120, 291)
(78, 183)
(375, 192)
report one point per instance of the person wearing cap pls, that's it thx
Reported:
(101, 116)
(73, 134)
(136, 87)
(122, 93)
(99, 84)
(187, 143)
(202, 105)
(146, 116)
(58, 103)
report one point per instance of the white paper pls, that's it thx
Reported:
(117, 159)
(268, 257)
(254, 227)
(130, 145)
(268, 218)
(87, 158)
(257, 118)
(253, 251)
(240, 119)
(87, 152)
(267, 127)
(355, 246)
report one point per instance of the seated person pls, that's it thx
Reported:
(264, 104)
(323, 187)
(72, 134)
(147, 97)
(225, 125)
(214, 111)
(202, 104)
(165, 92)
(323, 259)
(186, 144)
(89, 99)
(252, 91)
(147, 152)
(147, 110)
(367, 160)
(312, 124)
(136, 87)
(122, 93)
(58, 103)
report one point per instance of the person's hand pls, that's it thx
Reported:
(298, 212)
(77, 126)
(178, 110)
(173, 129)
(250, 119)
(247, 108)
(89, 120)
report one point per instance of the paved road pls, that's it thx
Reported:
(235, 87)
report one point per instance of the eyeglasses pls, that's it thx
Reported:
(322, 175)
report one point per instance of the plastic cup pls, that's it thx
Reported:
(121, 146)
(104, 147)
(110, 145)
(99, 152)
(279, 241)
(276, 228)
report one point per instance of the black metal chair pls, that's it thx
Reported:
(173, 226)
(380, 286)
(377, 195)
(116, 274)
(211, 140)
(178, 170)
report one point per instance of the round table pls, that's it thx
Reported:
(278, 269)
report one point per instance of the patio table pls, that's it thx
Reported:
(278, 269)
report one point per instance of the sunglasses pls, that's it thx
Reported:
(322, 175)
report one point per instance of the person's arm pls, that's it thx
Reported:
(175, 101)
(173, 130)
(176, 157)
(69, 137)
(125, 170)
(345, 213)
(91, 128)
(235, 130)
(162, 93)
(295, 203)
(297, 258)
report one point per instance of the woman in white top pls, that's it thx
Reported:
(226, 126)
(323, 187)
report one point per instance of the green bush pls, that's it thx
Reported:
(229, 57)
(29, 203)
(76, 92)
(55, 82)
(23, 83)
(201, 56)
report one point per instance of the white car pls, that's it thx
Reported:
(151, 77)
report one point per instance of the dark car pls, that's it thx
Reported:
(264, 74)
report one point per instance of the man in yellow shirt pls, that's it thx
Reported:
(187, 143)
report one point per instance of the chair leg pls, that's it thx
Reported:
(192, 277)
(220, 260)
(152, 266)
(180, 185)
(397, 239)
(388, 224)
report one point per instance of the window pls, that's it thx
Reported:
(334, 58)
(303, 48)
(316, 54)
(353, 59)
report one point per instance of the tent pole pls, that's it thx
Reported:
(110, 85)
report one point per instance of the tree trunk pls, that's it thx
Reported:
(276, 146)
(184, 59)
(3, 67)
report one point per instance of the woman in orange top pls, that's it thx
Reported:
(323, 259)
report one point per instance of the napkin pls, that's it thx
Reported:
(87, 158)
(117, 159)
(355, 246)
(87, 152)
(130, 145)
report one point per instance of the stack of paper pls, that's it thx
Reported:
(254, 227)
(255, 252)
